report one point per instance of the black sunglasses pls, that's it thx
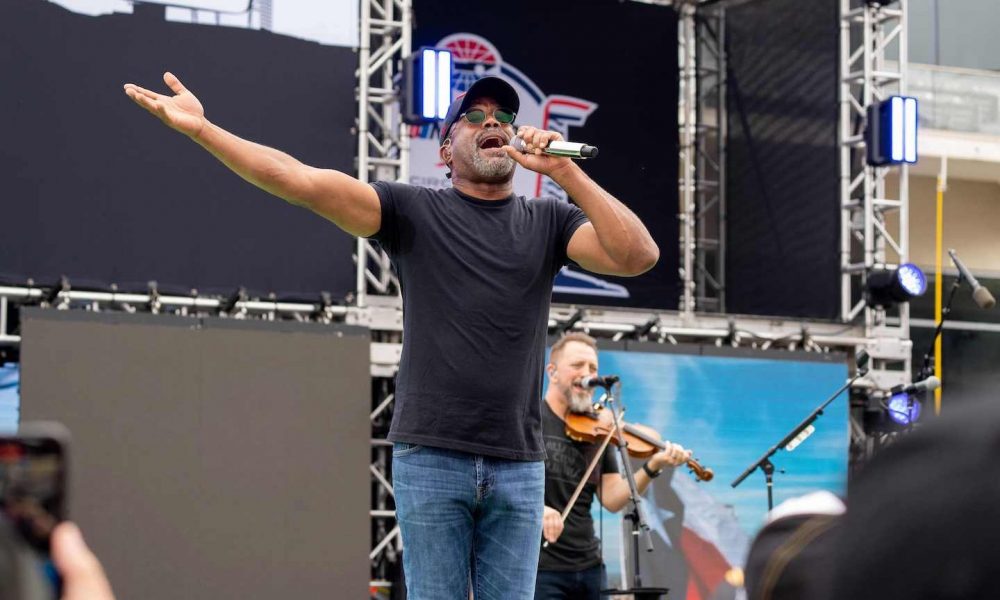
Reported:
(478, 115)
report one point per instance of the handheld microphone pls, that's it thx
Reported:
(918, 387)
(559, 148)
(606, 381)
(981, 295)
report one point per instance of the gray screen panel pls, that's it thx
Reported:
(210, 459)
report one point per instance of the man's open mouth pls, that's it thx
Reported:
(491, 141)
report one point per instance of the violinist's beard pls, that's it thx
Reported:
(580, 402)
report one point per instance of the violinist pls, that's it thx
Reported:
(571, 566)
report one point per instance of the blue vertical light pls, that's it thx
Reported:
(896, 123)
(910, 130)
(443, 83)
(425, 87)
(891, 131)
(428, 106)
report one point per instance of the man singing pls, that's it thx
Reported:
(476, 264)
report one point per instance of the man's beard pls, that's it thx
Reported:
(494, 167)
(580, 403)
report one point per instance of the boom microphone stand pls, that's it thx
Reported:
(929, 358)
(639, 524)
(793, 438)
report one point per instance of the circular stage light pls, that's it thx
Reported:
(887, 287)
(903, 409)
(911, 279)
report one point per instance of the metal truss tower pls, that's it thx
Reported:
(702, 140)
(383, 140)
(383, 154)
(872, 222)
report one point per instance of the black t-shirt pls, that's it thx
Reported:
(578, 547)
(476, 278)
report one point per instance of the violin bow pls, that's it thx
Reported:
(586, 476)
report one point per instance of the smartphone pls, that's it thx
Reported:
(33, 489)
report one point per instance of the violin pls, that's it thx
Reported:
(594, 426)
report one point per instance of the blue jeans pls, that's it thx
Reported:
(570, 585)
(467, 519)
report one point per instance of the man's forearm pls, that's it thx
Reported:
(617, 496)
(350, 204)
(619, 230)
(267, 168)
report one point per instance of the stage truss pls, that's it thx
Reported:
(870, 32)
(867, 31)
(383, 138)
(701, 120)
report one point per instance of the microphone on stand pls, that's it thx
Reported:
(558, 148)
(918, 387)
(981, 295)
(593, 381)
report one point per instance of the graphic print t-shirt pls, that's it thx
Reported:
(565, 464)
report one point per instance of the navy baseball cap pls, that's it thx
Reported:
(489, 87)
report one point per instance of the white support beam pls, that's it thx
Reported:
(383, 139)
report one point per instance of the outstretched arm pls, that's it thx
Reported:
(615, 242)
(348, 202)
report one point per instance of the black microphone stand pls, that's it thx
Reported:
(930, 359)
(764, 462)
(640, 526)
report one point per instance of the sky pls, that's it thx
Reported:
(331, 22)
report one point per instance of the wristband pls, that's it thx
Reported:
(651, 473)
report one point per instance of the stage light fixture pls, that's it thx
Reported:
(426, 88)
(903, 409)
(887, 287)
(891, 131)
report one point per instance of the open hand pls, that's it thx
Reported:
(182, 111)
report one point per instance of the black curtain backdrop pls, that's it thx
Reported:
(98, 190)
(783, 225)
(621, 55)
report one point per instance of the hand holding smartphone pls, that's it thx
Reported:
(33, 494)
(47, 554)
